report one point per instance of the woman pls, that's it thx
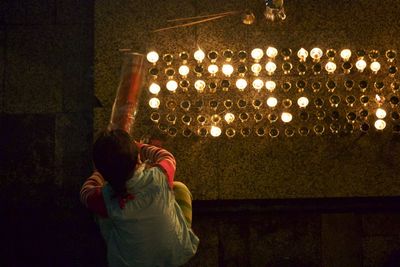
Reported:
(144, 216)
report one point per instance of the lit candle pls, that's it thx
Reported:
(154, 88)
(302, 54)
(152, 57)
(229, 117)
(199, 55)
(257, 54)
(345, 54)
(172, 85)
(302, 102)
(241, 84)
(215, 131)
(380, 124)
(154, 103)
(316, 54)
(286, 117)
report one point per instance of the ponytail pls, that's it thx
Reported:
(115, 157)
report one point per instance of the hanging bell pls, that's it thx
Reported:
(274, 10)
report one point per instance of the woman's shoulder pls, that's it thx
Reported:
(147, 174)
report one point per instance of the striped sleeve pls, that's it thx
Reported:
(161, 158)
(92, 196)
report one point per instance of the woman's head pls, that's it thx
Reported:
(115, 156)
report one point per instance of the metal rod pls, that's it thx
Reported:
(203, 16)
(191, 23)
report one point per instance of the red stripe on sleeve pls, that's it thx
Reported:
(92, 196)
(162, 158)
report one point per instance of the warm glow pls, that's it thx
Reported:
(302, 54)
(380, 124)
(227, 69)
(270, 85)
(241, 84)
(316, 53)
(330, 67)
(371, 94)
(154, 88)
(213, 69)
(200, 85)
(215, 131)
(286, 117)
(257, 54)
(215, 118)
(272, 52)
(154, 102)
(256, 68)
(183, 70)
(272, 102)
(361, 64)
(375, 66)
(302, 102)
(199, 55)
(379, 99)
(172, 85)
(345, 54)
(258, 84)
(270, 67)
(380, 113)
(152, 57)
(229, 117)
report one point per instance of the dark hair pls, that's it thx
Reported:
(115, 156)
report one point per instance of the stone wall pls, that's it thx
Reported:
(302, 232)
(48, 50)
(331, 165)
(46, 98)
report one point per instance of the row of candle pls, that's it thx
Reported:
(318, 129)
(272, 102)
(271, 53)
(286, 117)
(270, 85)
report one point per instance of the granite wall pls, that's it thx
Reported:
(46, 98)
(331, 165)
(56, 54)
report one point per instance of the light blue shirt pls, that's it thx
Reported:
(151, 230)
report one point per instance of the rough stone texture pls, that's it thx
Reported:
(56, 64)
(46, 136)
(381, 245)
(272, 237)
(27, 169)
(78, 71)
(2, 64)
(296, 239)
(73, 155)
(22, 149)
(34, 76)
(258, 239)
(341, 240)
(57, 60)
(206, 227)
(384, 224)
(252, 168)
(2, 12)
(45, 147)
(29, 12)
(74, 11)
(381, 251)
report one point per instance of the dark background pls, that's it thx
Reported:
(56, 55)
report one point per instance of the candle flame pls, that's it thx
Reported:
(379, 99)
